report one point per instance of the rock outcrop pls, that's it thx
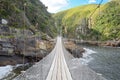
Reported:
(103, 43)
(74, 49)
(33, 50)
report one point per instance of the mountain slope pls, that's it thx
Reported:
(73, 18)
(92, 23)
(108, 23)
(28, 14)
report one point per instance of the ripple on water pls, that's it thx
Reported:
(86, 56)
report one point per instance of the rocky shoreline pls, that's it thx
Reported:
(14, 52)
(102, 43)
(74, 49)
(31, 51)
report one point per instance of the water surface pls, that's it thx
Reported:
(105, 60)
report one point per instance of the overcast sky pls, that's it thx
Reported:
(58, 5)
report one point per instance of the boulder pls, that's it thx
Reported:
(74, 49)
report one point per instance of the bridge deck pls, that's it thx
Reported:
(59, 65)
(59, 69)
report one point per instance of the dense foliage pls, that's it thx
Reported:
(108, 23)
(102, 22)
(27, 14)
(73, 18)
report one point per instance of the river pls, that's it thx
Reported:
(9, 72)
(103, 60)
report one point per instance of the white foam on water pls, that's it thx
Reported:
(4, 71)
(18, 65)
(87, 56)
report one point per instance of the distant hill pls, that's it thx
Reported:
(91, 21)
(31, 12)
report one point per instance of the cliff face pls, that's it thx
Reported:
(29, 14)
(75, 19)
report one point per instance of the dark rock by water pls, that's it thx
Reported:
(34, 50)
(102, 43)
(75, 50)
(30, 51)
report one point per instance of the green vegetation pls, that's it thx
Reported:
(29, 14)
(108, 23)
(104, 24)
(7, 37)
(72, 18)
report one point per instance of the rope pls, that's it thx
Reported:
(35, 50)
(24, 39)
(94, 12)
(36, 44)
(96, 8)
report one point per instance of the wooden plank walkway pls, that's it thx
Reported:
(59, 69)
(59, 65)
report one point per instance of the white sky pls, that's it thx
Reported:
(92, 1)
(56, 5)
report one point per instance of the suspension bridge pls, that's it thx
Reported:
(59, 65)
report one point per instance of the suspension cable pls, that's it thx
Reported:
(36, 44)
(96, 8)
(94, 12)
(24, 40)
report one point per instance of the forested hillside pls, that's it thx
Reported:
(94, 22)
(108, 22)
(29, 14)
